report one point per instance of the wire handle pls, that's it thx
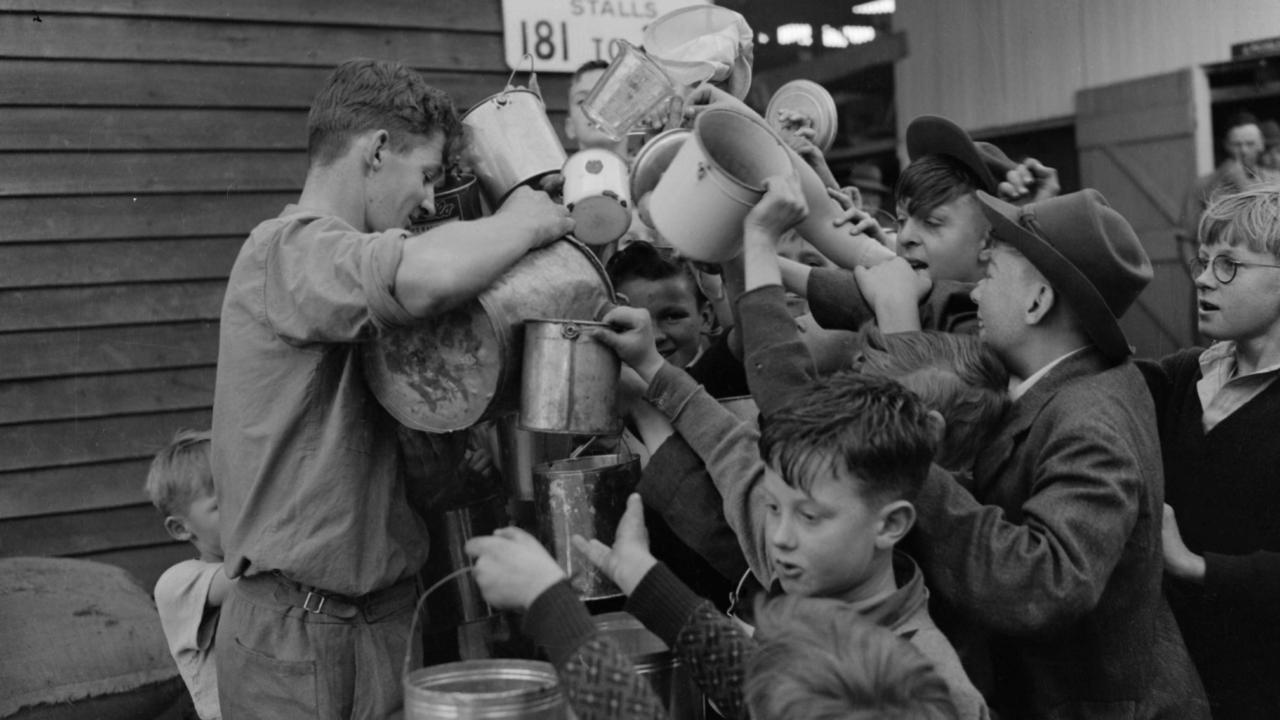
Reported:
(533, 78)
(417, 612)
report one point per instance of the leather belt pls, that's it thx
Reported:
(316, 601)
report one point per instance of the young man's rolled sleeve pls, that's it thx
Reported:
(325, 282)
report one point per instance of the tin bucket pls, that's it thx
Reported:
(510, 142)
(459, 200)
(597, 193)
(653, 660)
(650, 163)
(453, 370)
(450, 530)
(484, 690)
(570, 380)
(583, 496)
(713, 182)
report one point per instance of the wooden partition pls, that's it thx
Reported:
(140, 141)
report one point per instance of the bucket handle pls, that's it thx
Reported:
(533, 78)
(417, 613)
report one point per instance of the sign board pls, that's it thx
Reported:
(1256, 48)
(563, 34)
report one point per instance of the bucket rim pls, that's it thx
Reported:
(542, 691)
(697, 125)
(502, 93)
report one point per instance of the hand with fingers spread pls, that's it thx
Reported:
(512, 568)
(1030, 180)
(847, 197)
(862, 222)
(630, 334)
(629, 559)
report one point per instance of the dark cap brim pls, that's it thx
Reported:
(1080, 294)
(933, 135)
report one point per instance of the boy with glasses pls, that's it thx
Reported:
(1218, 408)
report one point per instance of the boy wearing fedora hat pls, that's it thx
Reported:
(1055, 549)
(1217, 409)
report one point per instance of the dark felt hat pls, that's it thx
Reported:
(867, 177)
(933, 135)
(1086, 250)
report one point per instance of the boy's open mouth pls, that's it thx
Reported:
(786, 569)
(917, 264)
(1206, 306)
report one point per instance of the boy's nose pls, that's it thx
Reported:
(429, 202)
(907, 235)
(782, 535)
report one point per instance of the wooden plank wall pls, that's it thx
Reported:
(141, 140)
(994, 63)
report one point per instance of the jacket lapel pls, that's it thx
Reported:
(992, 460)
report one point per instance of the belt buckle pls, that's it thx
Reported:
(306, 603)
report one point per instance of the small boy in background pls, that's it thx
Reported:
(189, 595)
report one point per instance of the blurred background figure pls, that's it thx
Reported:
(870, 183)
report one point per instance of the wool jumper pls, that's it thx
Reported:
(1224, 487)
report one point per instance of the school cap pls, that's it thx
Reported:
(933, 135)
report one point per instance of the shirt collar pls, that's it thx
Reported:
(1220, 359)
(1017, 390)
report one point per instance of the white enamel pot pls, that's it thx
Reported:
(713, 182)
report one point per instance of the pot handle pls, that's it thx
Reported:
(533, 78)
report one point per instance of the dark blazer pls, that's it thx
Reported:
(1057, 552)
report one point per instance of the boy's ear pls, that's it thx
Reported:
(375, 149)
(1040, 304)
(177, 528)
(937, 427)
(896, 520)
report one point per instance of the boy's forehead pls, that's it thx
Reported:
(820, 477)
(586, 81)
(676, 288)
(965, 201)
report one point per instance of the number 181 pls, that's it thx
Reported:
(544, 39)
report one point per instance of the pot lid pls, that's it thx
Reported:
(807, 98)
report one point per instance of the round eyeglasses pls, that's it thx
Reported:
(1224, 268)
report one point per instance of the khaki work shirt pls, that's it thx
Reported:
(304, 458)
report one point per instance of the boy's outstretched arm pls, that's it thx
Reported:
(713, 646)
(726, 444)
(514, 572)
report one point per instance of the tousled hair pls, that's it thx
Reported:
(870, 427)
(819, 660)
(958, 375)
(181, 472)
(646, 261)
(362, 95)
(585, 68)
(931, 181)
(1250, 217)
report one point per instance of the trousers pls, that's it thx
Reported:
(280, 653)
